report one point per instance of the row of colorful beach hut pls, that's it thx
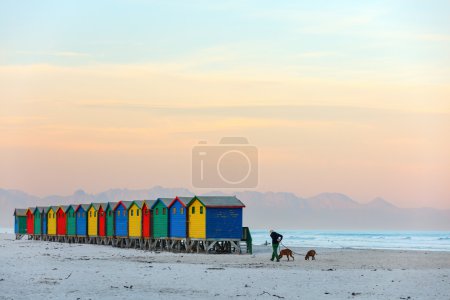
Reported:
(201, 223)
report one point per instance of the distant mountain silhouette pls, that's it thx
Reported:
(326, 211)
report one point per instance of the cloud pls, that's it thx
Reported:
(316, 54)
(174, 89)
(69, 54)
(66, 54)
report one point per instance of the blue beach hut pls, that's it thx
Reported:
(121, 218)
(178, 217)
(215, 217)
(44, 220)
(81, 219)
(20, 221)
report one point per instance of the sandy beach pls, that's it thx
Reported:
(38, 270)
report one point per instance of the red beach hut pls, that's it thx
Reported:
(146, 218)
(61, 223)
(30, 222)
(101, 221)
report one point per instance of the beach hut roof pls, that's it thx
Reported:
(126, 204)
(139, 203)
(96, 205)
(165, 201)
(111, 205)
(74, 206)
(149, 203)
(40, 208)
(183, 200)
(63, 207)
(84, 206)
(20, 212)
(220, 201)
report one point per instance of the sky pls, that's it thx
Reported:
(343, 96)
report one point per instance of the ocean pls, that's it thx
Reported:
(395, 240)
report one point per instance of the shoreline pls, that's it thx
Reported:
(362, 248)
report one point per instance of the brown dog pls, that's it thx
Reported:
(286, 252)
(311, 253)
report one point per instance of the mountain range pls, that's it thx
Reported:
(325, 211)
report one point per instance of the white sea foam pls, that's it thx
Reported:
(401, 240)
(6, 230)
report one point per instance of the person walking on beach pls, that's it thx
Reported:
(276, 239)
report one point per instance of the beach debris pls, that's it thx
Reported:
(328, 270)
(326, 293)
(405, 298)
(215, 268)
(128, 287)
(69, 275)
(246, 285)
(2, 279)
(273, 295)
(355, 294)
(54, 269)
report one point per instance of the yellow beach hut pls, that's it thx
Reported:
(215, 217)
(93, 219)
(197, 219)
(51, 221)
(135, 219)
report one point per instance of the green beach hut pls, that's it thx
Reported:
(38, 214)
(71, 220)
(110, 218)
(20, 221)
(160, 214)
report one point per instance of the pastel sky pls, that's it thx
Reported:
(338, 96)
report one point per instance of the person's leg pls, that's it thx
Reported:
(274, 252)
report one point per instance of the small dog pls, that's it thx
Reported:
(286, 252)
(311, 253)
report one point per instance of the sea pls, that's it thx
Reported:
(394, 240)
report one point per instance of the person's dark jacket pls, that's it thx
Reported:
(274, 235)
